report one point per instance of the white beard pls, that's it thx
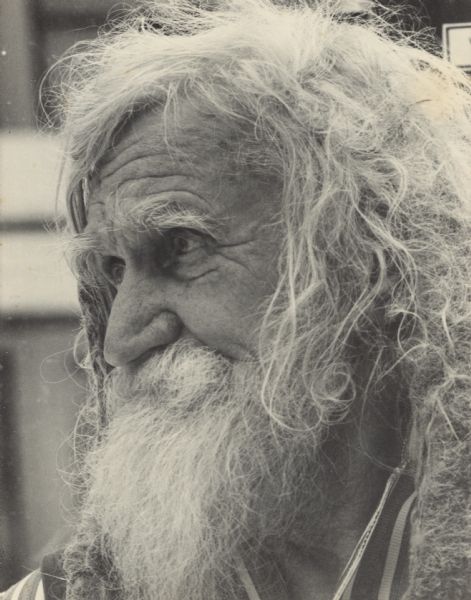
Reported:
(191, 474)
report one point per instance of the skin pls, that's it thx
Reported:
(183, 282)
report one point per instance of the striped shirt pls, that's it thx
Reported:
(29, 588)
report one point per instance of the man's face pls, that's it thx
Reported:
(191, 469)
(174, 277)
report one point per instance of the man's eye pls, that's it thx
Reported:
(114, 268)
(183, 241)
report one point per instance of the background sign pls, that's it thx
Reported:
(457, 44)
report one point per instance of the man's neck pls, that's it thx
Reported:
(308, 565)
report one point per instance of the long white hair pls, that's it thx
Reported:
(369, 136)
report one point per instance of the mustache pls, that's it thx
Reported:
(155, 358)
(183, 374)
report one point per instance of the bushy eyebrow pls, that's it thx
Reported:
(159, 215)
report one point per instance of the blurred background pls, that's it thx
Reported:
(41, 387)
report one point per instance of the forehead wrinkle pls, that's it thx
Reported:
(189, 146)
(139, 180)
(154, 167)
(189, 188)
(125, 158)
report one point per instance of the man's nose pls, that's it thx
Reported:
(140, 320)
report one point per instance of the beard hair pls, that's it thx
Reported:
(191, 474)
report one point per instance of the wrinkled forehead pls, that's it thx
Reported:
(188, 147)
(185, 137)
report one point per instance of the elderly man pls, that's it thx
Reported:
(272, 214)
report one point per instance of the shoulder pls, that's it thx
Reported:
(29, 588)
